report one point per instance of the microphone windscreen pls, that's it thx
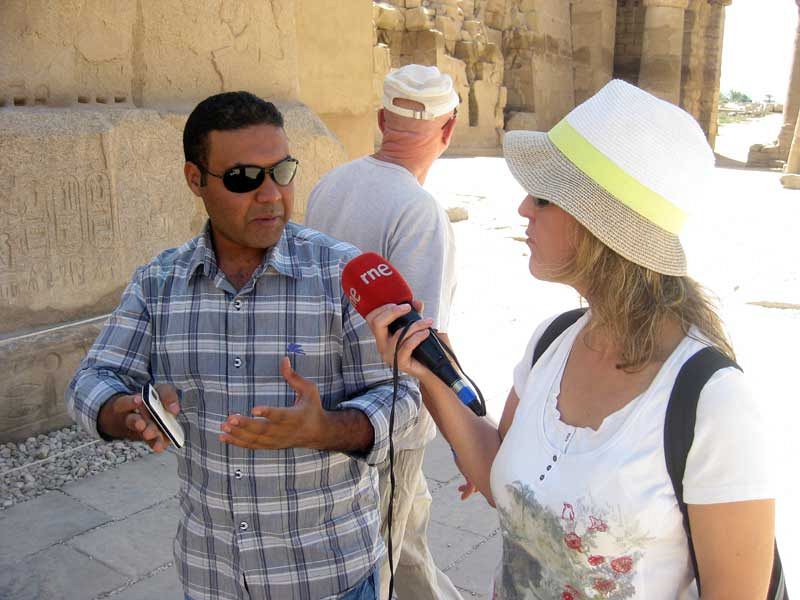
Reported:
(370, 281)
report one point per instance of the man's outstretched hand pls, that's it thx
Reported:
(299, 426)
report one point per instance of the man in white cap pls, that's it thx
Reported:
(378, 204)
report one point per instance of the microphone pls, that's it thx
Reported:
(370, 281)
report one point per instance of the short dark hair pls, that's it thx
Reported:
(224, 112)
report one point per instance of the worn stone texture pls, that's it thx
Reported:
(593, 39)
(37, 369)
(165, 54)
(335, 70)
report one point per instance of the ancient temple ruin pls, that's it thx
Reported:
(94, 94)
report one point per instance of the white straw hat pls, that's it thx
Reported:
(426, 85)
(624, 164)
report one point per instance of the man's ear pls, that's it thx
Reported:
(193, 177)
(381, 121)
(448, 130)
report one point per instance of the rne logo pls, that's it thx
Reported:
(382, 270)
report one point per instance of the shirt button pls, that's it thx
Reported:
(541, 477)
(237, 362)
(243, 525)
(555, 458)
(238, 474)
(237, 304)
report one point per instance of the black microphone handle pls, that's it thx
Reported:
(430, 352)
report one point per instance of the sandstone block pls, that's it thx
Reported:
(466, 51)
(37, 369)
(413, 3)
(449, 28)
(473, 26)
(387, 16)
(526, 121)
(457, 213)
(419, 18)
(791, 181)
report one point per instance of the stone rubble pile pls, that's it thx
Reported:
(48, 462)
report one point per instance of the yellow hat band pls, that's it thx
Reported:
(628, 190)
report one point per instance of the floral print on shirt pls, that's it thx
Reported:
(574, 555)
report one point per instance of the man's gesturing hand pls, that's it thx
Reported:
(299, 426)
(125, 417)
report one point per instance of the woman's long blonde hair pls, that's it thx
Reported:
(632, 303)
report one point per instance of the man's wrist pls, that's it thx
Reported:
(107, 427)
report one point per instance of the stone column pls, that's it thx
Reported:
(662, 48)
(793, 163)
(792, 106)
(776, 154)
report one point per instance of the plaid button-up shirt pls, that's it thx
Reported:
(287, 524)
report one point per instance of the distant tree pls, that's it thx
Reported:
(737, 96)
(724, 98)
(769, 98)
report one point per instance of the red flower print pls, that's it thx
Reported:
(623, 564)
(567, 596)
(596, 524)
(567, 513)
(570, 593)
(604, 586)
(573, 540)
(595, 560)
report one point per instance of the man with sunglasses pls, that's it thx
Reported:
(377, 203)
(278, 496)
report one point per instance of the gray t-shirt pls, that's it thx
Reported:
(381, 207)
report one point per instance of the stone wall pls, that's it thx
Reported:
(94, 98)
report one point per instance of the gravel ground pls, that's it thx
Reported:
(47, 462)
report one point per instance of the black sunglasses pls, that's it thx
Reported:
(246, 178)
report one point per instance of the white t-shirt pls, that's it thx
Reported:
(381, 207)
(592, 514)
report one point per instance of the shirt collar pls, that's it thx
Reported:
(282, 257)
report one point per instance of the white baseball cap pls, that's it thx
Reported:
(426, 85)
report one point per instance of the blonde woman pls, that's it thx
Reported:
(576, 468)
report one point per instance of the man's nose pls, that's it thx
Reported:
(269, 191)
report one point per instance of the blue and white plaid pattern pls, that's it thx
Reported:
(288, 524)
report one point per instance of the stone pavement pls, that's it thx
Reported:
(111, 535)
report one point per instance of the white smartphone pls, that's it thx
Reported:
(165, 420)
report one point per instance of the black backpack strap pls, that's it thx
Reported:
(680, 421)
(558, 326)
(679, 427)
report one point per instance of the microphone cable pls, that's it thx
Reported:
(395, 382)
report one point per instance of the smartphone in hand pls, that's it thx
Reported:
(165, 420)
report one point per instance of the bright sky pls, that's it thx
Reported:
(758, 47)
